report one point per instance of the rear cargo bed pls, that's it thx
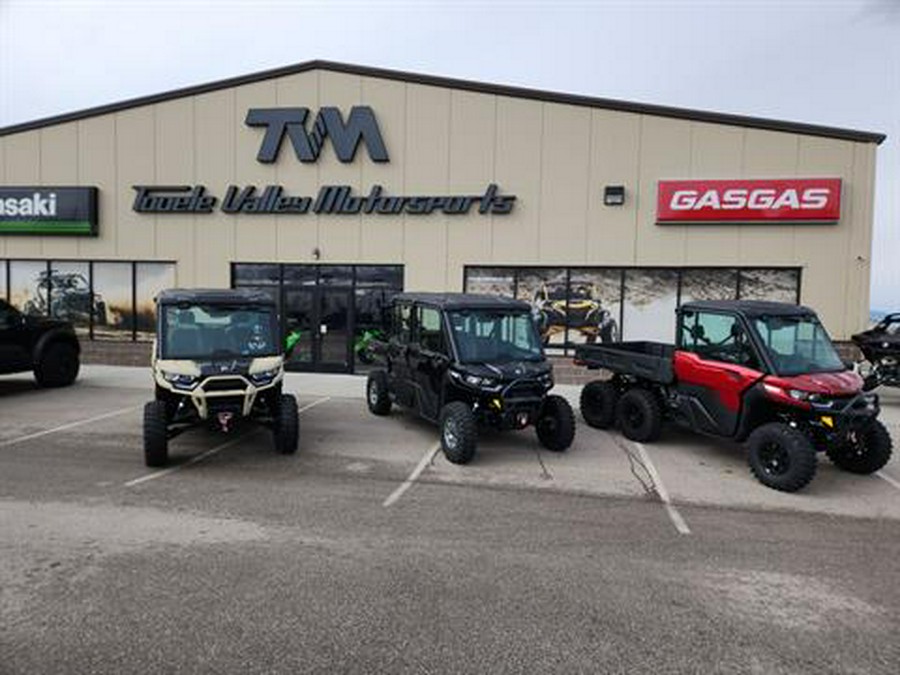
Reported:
(647, 360)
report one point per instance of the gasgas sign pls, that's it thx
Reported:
(811, 200)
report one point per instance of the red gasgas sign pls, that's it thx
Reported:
(749, 201)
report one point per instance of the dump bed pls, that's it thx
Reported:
(647, 360)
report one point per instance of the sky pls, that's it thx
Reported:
(831, 62)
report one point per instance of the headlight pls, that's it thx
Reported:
(546, 379)
(264, 377)
(798, 395)
(180, 381)
(476, 381)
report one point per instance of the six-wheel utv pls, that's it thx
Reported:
(761, 372)
(464, 361)
(217, 360)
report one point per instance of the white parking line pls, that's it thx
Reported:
(192, 460)
(420, 467)
(892, 481)
(211, 451)
(64, 427)
(674, 515)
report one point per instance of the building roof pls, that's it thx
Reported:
(464, 301)
(465, 85)
(214, 296)
(750, 308)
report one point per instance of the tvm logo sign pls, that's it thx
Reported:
(346, 137)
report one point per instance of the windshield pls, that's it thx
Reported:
(797, 345)
(218, 331)
(495, 337)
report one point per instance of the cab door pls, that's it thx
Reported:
(398, 354)
(715, 364)
(428, 360)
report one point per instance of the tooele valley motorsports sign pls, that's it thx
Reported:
(345, 137)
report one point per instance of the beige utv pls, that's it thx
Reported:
(217, 361)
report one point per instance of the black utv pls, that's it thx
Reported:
(47, 347)
(880, 346)
(464, 361)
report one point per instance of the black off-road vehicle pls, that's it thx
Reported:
(761, 372)
(217, 360)
(880, 346)
(463, 360)
(47, 347)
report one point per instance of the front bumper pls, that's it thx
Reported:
(839, 417)
(216, 394)
(515, 406)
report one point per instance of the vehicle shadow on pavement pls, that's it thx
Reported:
(11, 387)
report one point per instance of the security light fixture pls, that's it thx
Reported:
(614, 195)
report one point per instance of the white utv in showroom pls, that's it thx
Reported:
(217, 361)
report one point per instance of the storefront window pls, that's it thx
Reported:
(151, 278)
(255, 274)
(711, 284)
(381, 276)
(3, 289)
(650, 300)
(70, 294)
(775, 285)
(595, 302)
(491, 281)
(114, 314)
(300, 275)
(547, 292)
(27, 286)
(584, 304)
(336, 275)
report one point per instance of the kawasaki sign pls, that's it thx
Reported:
(48, 210)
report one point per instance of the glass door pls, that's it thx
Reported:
(300, 327)
(317, 321)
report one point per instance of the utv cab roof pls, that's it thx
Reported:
(464, 301)
(748, 308)
(214, 296)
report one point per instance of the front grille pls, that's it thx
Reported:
(525, 389)
(232, 404)
(225, 384)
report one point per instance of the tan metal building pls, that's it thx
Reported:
(380, 180)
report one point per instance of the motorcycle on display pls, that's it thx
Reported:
(880, 346)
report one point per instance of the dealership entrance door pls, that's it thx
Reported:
(327, 310)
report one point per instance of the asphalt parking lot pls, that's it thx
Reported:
(368, 552)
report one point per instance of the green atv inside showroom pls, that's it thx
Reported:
(217, 361)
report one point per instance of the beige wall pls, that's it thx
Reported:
(556, 158)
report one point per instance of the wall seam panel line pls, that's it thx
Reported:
(540, 190)
(447, 189)
(587, 199)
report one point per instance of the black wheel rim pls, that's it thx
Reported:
(634, 416)
(548, 425)
(451, 434)
(856, 444)
(774, 459)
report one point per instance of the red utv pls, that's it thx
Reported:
(761, 372)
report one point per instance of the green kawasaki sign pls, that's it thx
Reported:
(48, 210)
